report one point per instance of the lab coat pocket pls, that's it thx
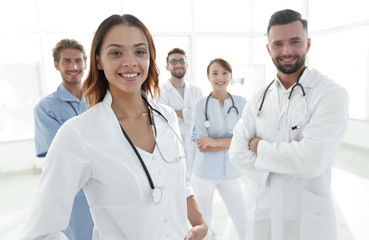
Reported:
(318, 219)
(129, 222)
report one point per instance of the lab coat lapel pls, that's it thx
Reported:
(308, 80)
(274, 96)
(172, 89)
(110, 123)
(276, 104)
(177, 100)
(187, 91)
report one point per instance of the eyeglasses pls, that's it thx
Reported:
(175, 61)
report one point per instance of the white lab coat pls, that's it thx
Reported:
(289, 196)
(170, 96)
(91, 152)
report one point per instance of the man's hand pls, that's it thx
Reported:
(253, 144)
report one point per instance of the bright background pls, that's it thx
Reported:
(206, 29)
(231, 29)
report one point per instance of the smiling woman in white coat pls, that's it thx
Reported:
(286, 141)
(117, 151)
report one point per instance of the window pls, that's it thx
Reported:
(206, 29)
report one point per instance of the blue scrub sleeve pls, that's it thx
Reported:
(46, 126)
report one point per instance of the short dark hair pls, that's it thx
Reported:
(67, 43)
(285, 17)
(176, 50)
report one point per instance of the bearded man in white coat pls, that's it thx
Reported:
(286, 141)
(181, 95)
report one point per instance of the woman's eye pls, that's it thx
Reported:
(141, 52)
(115, 53)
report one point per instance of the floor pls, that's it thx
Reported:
(350, 186)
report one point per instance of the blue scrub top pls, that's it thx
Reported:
(216, 165)
(50, 113)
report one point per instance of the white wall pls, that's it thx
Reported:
(358, 134)
(19, 156)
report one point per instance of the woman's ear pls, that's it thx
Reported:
(99, 66)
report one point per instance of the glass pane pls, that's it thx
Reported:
(220, 16)
(346, 65)
(18, 15)
(75, 16)
(263, 9)
(161, 15)
(344, 12)
(19, 88)
(262, 70)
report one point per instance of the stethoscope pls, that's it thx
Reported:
(288, 100)
(74, 109)
(207, 123)
(156, 193)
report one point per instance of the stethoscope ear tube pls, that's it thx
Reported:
(297, 84)
(207, 123)
(265, 92)
(144, 97)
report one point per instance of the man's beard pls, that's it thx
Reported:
(178, 75)
(291, 69)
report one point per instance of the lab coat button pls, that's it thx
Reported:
(159, 172)
(153, 158)
(165, 220)
(167, 235)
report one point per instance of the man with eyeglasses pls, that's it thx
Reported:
(181, 96)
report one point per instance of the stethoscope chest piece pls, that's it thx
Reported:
(156, 195)
(207, 124)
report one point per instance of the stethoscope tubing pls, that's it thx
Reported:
(298, 84)
(207, 123)
(139, 158)
(289, 96)
(156, 193)
(74, 109)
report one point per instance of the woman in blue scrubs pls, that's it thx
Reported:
(214, 119)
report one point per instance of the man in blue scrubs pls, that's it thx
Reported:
(55, 109)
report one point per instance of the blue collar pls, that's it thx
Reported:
(65, 95)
